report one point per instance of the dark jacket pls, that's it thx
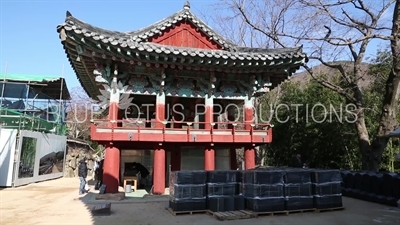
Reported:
(99, 171)
(82, 169)
(296, 162)
(143, 171)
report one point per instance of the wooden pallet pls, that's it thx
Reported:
(285, 212)
(186, 212)
(256, 214)
(232, 215)
(329, 209)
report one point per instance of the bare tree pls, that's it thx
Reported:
(79, 113)
(332, 31)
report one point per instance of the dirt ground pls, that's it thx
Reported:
(58, 202)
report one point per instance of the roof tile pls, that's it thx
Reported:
(138, 40)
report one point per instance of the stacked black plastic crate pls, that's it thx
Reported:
(298, 189)
(187, 191)
(263, 190)
(383, 188)
(223, 191)
(327, 189)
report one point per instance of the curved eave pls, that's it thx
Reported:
(134, 50)
(81, 73)
(75, 27)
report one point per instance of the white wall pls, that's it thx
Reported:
(222, 159)
(192, 158)
(7, 155)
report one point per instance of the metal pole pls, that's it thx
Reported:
(4, 83)
(61, 92)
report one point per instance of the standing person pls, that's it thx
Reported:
(95, 167)
(297, 161)
(82, 173)
(99, 175)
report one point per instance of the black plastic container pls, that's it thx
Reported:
(262, 190)
(387, 185)
(366, 182)
(240, 202)
(358, 180)
(188, 205)
(297, 203)
(262, 176)
(325, 176)
(329, 201)
(349, 182)
(376, 184)
(297, 176)
(221, 204)
(297, 190)
(265, 204)
(187, 191)
(230, 176)
(332, 188)
(396, 187)
(188, 177)
(222, 189)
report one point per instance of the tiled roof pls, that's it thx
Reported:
(135, 44)
(138, 40)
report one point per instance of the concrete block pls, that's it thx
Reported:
(102, 209)
(111, 197)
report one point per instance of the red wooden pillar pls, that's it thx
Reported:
(209, 158)
(159, 167)
(159, 171)
(209, 152)
(111, 168)
(232, 158)
(112, 155)
(248, 112)
(249, 158)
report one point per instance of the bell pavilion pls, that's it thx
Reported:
(179, 96)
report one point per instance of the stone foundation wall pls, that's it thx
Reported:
(75, 153)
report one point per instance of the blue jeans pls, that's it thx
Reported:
(82, 185)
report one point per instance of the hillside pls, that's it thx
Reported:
(304, 77)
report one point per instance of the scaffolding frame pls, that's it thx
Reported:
(22, 117)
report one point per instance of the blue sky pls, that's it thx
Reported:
(29, 42)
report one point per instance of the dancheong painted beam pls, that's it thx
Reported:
(260, 135)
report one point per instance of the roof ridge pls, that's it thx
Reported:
(73, 21)
(153, 24)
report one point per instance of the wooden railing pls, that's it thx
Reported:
(149, 124)
(189, 132)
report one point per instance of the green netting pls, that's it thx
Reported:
(17, 120)
(28, 77)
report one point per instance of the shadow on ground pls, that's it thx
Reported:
(141, 209)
